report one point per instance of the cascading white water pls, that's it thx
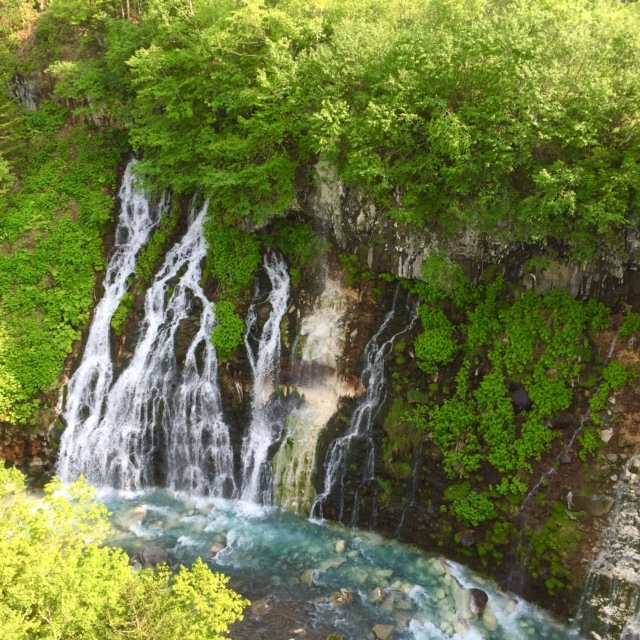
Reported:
(159, 419)
(264, 360)
(90, 383)
(361, 428)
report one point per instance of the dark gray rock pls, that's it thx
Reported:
(479, 598)
(467, 538)
(521, 400)
(152, 557)
(264, 311)
(596, 506)
(562, 421)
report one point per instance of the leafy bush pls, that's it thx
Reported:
(228, 333)
(617, 375)
(233, 258)
(631, 326)
(591, 441)
(435, 346)
(56, 581)
(537, 341)
(298, 241)
(121, 315)
(473, 509)
(51, 249)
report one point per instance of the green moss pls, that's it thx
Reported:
(121, 316)
(552, 547)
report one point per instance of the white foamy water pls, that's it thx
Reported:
(88, 388)
(161, 423)
(264, 360)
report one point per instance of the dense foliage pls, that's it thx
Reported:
(511, 116)
(518, 118)
(50, 251)
(538, 344)
(56, 581)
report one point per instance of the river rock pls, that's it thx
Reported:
(264, 311)
(383, 573)
(341, 598)
(260, 608)
(332, 563)
(309, 577)
(132, 516)
(596, 506)
(152, 557)
(489, 620)
(216, 548)
(479, 599)
(377, 595)
(383, 631)
(521, 400)
(341, 546)
(438, 567)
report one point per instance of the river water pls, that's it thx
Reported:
(275, 557)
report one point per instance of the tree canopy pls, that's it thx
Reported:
(513, 116)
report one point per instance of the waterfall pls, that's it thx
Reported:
(264, 358)
(162, 422)
(90, 383)
(362, 420)
(610, 601)
(320, 342)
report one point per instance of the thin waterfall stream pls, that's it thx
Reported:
(373, 376)
(264, 359)
(90, 384)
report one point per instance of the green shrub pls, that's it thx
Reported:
(591, 441)
(435, 347)
(473, 509)
(228, 333)
(58, 582)
(121, 316)
(630, 327)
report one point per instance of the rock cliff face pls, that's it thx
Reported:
(325, 332)
(385, 245)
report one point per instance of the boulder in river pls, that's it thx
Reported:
(152, 557)
(341, 598)
(383, 631)
(308, 577)
(131, 517)
(377, 595)
(479, 599)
